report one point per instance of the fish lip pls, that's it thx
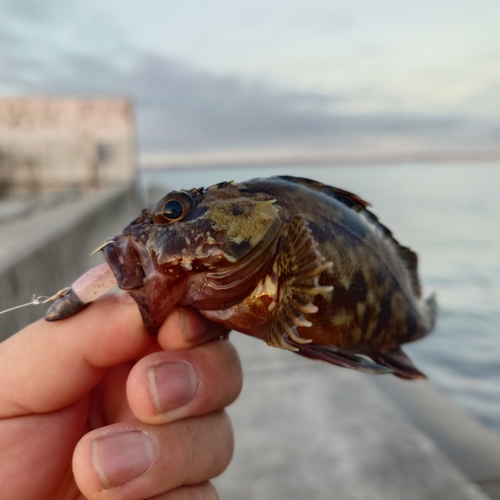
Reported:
(130, 262)
(155, 293)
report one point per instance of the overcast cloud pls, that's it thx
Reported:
(184, 106)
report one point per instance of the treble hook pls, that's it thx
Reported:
(41, 299)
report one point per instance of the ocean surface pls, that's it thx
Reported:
(448, 214)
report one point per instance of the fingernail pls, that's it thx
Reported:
(122, 457)
(173, 385)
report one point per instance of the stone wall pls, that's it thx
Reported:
(48, 144)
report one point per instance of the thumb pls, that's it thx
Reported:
(48, 366)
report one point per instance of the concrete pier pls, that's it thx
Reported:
(46, 246)
(303, 429)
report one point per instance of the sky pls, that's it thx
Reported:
(315, 75)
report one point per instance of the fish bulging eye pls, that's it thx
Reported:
(173, 208)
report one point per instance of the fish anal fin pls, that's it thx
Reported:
(400, 363)
(339, 358)
(298, 266)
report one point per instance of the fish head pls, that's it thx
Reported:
(204, 248)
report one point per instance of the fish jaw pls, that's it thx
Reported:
(155, 292)
(157, 298)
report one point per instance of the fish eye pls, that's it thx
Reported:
(173, 207)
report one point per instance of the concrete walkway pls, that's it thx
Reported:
(46, 250)
(307, 430)
(474, 448)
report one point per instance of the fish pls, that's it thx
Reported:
(304, 266)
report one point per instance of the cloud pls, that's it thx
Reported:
(33, 11)
(10, 64)
(184, 108)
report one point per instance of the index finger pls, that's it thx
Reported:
(186, 327)
(48, 366)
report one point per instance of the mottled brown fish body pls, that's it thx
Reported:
(372, 302)
(302, 265)
(375, 305)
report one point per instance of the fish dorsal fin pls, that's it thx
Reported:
(350, 199)
(407, 256)
(298, 266)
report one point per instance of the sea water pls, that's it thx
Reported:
(450, 215)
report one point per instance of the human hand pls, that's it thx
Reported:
(94, 407)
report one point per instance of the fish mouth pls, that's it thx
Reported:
(130, 262)
(154, 292)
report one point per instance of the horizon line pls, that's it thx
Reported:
(159, 161)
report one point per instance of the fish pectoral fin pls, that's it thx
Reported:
(298, 267)
(345, 360)
(400, 363)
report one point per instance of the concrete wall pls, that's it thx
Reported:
(46, 251)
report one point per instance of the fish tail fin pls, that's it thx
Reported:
(430, 311)
(427, 313)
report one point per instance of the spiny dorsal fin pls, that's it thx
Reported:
(298, 267)
(350, 199)
(408, 256)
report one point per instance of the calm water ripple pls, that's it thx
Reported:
(449, 214)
